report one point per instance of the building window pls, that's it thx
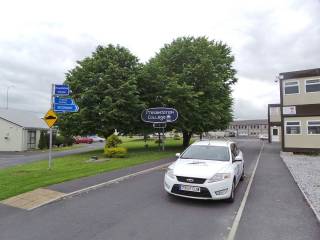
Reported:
(313, 85)
(291, 87)
(313, 127)
(31, 140)
(293, 127)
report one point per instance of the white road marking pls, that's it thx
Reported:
(236, 221)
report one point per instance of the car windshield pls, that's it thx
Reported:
(216, 153)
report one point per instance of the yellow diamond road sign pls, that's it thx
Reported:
(50, 118)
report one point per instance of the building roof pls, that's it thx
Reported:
(22, 118)
(250, 122)
(300, 74)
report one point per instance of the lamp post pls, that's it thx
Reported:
(8, 95)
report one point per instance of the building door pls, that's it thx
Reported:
(31, 140)
(275, 134)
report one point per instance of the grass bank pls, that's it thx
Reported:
(26, 177)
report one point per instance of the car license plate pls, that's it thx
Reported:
(189, 188)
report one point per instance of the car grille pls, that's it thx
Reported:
(204, 192)
(191, 180)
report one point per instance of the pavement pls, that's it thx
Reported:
(8, 159)
(33, 199)
(139, 208)
(276, 208)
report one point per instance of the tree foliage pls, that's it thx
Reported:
(193, 75)
(104, 87)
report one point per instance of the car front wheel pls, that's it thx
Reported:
(242, 175)
(231, 198)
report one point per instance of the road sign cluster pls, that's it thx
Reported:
(62, 103)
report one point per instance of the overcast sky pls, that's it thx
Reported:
(41, 40)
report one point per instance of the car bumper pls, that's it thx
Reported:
(214, 191)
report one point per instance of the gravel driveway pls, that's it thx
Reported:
(306, 172)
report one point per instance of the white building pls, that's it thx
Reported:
(20, 130)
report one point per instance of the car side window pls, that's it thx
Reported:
(237, 151)
(233, 151)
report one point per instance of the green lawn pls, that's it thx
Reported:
(26, 177)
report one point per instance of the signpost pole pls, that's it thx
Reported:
(163, 139)
(50, 140)
(159, 139)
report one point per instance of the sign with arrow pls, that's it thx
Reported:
(59, 100)
(62, 108)
(50, 118)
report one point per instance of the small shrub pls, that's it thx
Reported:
(176, 137)
(68, 141)
(115, 152)
(158, 141)
(59, 140)
(43, 141)
(113, 141)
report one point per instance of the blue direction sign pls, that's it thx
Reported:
(61, 108)
(61, 90)
(159, 115)
(59, 100)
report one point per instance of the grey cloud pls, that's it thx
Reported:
(32, 64)
(270, 52)
(245, 109)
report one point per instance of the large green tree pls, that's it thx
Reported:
(104, 87)
(193, 75)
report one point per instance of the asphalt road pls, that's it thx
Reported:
(139, 208)
(14, 158)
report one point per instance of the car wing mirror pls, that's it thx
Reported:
(178, 155)
(238, 158)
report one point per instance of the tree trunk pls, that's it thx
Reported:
(186, 138)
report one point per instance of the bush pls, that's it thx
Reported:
(43, 141)
(113, 141)
(68, 141)
(158, 141)
(59, 141)
(176, 137)
(115, 152)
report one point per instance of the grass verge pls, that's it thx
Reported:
(26, 177)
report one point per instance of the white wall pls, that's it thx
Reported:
(13, 133)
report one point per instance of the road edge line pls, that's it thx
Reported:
(237, 219)
(301, 190)
(103, 184)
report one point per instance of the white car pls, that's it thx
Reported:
(263, 137)
(206, 170)
(97, 139)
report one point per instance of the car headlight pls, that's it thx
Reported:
(219, 177)
(170, 174)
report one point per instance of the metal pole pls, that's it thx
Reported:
(159, 140)
(50, 141)
(163, 139)
(50, 148)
